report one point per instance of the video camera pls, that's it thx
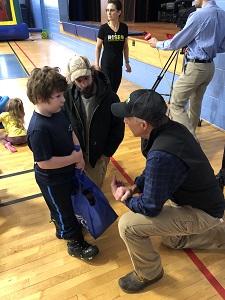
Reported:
(177, 11)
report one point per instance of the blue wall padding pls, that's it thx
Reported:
(69, 27)
(86, 30)
(16, 32)
(3, 101)
(34, 29)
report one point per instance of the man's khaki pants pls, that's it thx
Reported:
(191, 85)
(96, 174)
(180, 227)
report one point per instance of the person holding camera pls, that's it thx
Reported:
(176, 170)
(204, 37)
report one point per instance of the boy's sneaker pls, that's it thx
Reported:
(82, 249)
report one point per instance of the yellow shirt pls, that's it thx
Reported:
(10, 125)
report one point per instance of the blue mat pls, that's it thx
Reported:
(89, 31)
(10, 67)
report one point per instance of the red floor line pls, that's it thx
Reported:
(25, 54)
(208, 275)
(202, 268)
(121, 170)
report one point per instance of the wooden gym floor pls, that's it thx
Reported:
(36, 265)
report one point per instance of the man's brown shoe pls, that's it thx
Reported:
(132, 283)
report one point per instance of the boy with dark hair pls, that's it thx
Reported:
(56, 153)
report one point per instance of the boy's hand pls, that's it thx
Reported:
(77, 156)
(80, 164)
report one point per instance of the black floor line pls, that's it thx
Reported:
(15, 174)
(21, 200)
(19, 59)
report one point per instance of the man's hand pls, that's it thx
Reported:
(153, 42)
(119, 191)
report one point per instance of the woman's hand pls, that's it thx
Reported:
(128, 68)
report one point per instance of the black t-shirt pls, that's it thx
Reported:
(50, 136)
(113, 43)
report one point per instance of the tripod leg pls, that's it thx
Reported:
(164, 69)
(174, 71)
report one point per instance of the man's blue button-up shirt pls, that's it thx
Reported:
(204, 33)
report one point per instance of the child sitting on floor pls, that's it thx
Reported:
(13, 121)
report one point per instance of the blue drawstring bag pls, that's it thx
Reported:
(91, 207)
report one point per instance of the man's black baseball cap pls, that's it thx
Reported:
(144, 104)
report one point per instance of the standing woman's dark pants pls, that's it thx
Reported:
(114, 75)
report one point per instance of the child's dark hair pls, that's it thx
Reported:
(15, 108)
(44, 82)
(117, 4)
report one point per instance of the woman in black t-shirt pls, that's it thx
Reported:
(113, 36)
